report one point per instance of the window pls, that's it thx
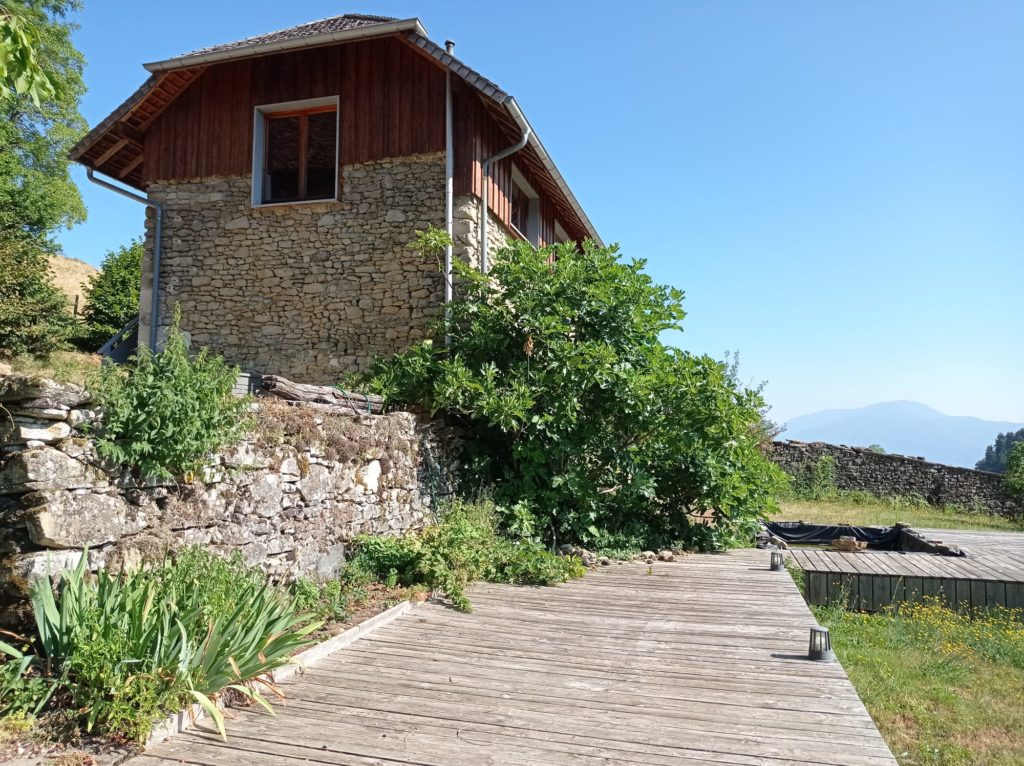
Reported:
(525, 203)
(295, 152)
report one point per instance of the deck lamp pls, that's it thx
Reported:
(777, 560)
(820, 648)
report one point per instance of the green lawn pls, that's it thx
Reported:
(944, 689)
(881, 513)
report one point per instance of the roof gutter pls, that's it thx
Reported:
(260, 49)
(154, 298)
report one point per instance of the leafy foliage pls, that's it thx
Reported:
(38, 126)
(997, 454)
(126, 650)
(463, 547)
(1013, 479)
(37, 194)
(112, 295)
(34, 318)
(576, 409)
(166, 413)
(20, 70)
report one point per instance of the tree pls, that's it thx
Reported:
(33, 313)
(38, 126)
(1013, 479)
(878, 449)
(574, 410)
(20, 70)
(997, 453)
(112, 295)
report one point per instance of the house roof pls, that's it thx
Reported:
(115, 145)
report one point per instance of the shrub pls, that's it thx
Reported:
(1013, 479)
(164, 414)
(34, 317)
(463, 547)
(112, 295)
(816, 481)
(126, 650)
(574, 407)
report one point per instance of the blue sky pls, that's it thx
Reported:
(838, 186)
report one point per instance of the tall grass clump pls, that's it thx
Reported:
(122, 651)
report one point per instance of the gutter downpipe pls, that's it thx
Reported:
(517, 115)
(154, 300)
(449, 192)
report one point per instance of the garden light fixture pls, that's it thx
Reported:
(777, 560)
(820, 648)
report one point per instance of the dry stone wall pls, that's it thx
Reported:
(858, 468)
(289, 498)
(307, 290)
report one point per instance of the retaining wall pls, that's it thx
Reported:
(289, 498)
(858, 468)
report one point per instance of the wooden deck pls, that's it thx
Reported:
(992, 574)
(700, 662)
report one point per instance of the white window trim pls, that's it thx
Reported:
(560, 233)
(532, 234)
(259, 137)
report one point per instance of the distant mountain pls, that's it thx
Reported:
(905, 428)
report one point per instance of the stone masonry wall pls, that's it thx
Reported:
(289, 498)
(307, 290)
(857, 468)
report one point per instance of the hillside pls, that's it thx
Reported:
(906, 428)
(69, 275)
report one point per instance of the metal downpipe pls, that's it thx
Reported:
(154, 299)
(449, 193)
(485, 194)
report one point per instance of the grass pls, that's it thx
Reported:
(882, 513)
(65, 366)
(944, 688)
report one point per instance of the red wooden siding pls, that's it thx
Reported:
(479, 133)
(392, 105)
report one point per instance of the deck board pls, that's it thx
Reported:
(700, 661)
(992, 573)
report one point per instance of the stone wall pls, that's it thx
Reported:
(858, 468)
(308, 290)
(289, 498)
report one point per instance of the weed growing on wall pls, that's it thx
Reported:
(164, 414)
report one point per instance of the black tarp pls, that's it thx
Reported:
(798, 533)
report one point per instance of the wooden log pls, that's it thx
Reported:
(303, 392)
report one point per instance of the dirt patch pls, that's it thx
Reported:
(69, 276)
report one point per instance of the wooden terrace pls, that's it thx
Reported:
(992, 573)
(695, 662)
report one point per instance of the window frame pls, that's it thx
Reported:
(264, 112)
(532, 233)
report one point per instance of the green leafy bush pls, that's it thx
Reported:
(166, 413)
(34, 317)
(575, 408)
(1013, 479)
(126, 650)
(112, 295)
(463, 547)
